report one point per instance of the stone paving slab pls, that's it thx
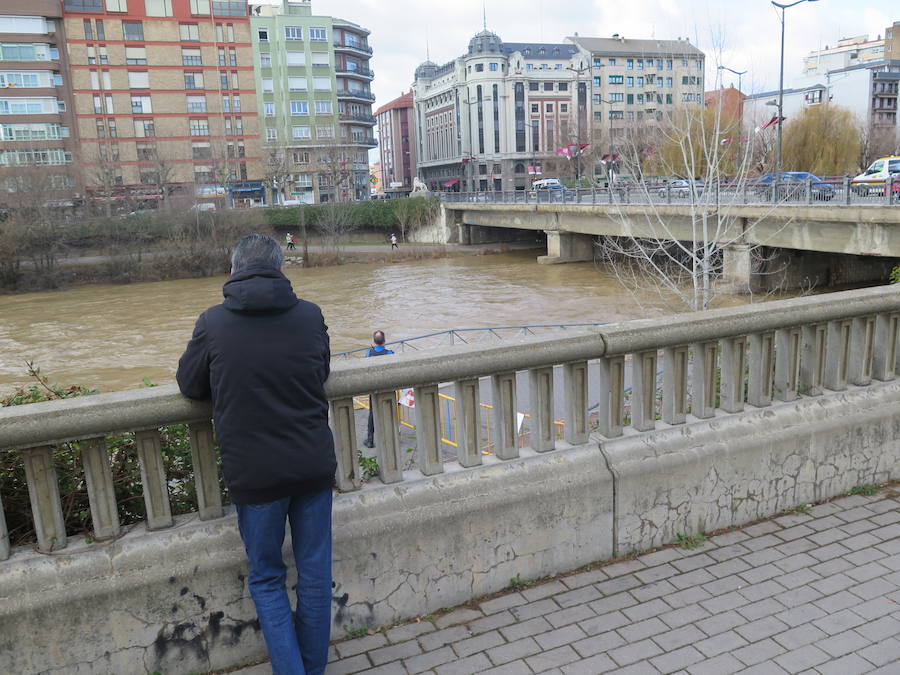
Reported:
(808, 592)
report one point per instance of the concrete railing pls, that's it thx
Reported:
(772, 351)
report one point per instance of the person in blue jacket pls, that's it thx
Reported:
(377, 349)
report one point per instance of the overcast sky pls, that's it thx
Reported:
(746, 32)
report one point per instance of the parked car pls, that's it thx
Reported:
(551, 190)
(792, 185)
(681, 188)
(873, 178)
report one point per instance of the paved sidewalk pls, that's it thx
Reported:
(813, 592)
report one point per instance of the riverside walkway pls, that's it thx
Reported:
(808, 592)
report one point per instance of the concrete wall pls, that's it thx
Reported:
(175, 601)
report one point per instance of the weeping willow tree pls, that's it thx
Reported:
(824, 139)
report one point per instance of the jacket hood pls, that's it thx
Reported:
(258, 289)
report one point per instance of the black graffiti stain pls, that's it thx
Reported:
(191, 641)
(184, 590)
(200, 601)
(344, 614)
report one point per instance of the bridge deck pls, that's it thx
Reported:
(813, 592)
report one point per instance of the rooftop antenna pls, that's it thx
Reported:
(427, 48)
(484, 13)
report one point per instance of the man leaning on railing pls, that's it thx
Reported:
(263, 357)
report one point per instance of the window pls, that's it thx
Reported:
(323, 107)
(293, 32)
(269, 109)
(101, 33)
(629, 64)
(196, 104)
(640, 99)
(141, 104)
(669, 82)
(113, 132)
(225, 8)
(116, 5)
(535, 107)
(549, 108)
(109, 105)
(262, 34)
(138, 80)
(529, 66)
(318, 34)
(668, 64)
(596, 99)
(299, 108)
(189, 32)
(597, 81)
(232, 56)
(236, 100)
(193, 80)
(238, 126)
(144, 128)
(304, 180)
(534, 86)
(104, 57)
(106, 82)
(300, 132)
(223, 80)
(200, 7)
(137, 56)
(199, 127)
(325, 132)
(479, 67)
(191, 57)
(492, 66)
(301, 158)
(320, 59)
(563, 107)
(265, 60)
(630, 99)
(630, 81)
(669, 98)
(296, 58)
(158, 7)
(616, 97)
(133, 30)
(611, 61)
(267, 84)
(226, 105)
(616, 79)
(88, 30)
(322, 83)
(640, 64)
(20, 80)
(19, 52)
(101, 132)
(98, 105)
(563, 86)
(548, 86)
(296, 83)
(598, 116)
(640, 82)
(271, 134)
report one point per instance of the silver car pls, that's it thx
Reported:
(680, 188)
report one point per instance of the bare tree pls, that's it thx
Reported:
(875, 142)
(334, 172)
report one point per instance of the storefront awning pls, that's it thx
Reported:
(451, 183)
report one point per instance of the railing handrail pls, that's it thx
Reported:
(50, 422)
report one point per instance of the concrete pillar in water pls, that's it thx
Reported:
(563, 247)
(736, 269)
(465, 233)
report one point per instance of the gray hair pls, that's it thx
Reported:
(256, 250)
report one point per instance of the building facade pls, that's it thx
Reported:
(504, 114)
(165, 100)
(397, 144)
(313, 79)
(852, 51)
(37, 131)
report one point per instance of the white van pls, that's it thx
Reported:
(873, 178)
(547, 184)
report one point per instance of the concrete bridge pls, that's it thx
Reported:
(814, 238)
(705, 421)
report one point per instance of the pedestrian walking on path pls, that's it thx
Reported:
(290, 242)
(263, 356)
(377, 349)
(394, 244)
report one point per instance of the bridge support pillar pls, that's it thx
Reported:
(563, 247)
(736, 269)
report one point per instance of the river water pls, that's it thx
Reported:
(111, 337)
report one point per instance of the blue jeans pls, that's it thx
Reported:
(297, 642)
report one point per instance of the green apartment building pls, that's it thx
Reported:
(313, 82)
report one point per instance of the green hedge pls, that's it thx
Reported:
(377, 214)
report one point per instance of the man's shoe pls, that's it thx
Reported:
(368, 443)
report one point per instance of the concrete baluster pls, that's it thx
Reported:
(387, 436)
(4, 534)
(862, 350)
(543, 432)
(505, 418)
(43, 492)
(787, 363)
(762, 362)
(732, 374)
(428, 429)
(343, 424)
(703, 379)
(675, 385)
(884, 363)
(101, 493)
(206, 473)
(837, 355)
(643, 390)
(812, 359)
(468, 416)
(153, 479)
(575, 387)
(611, 396)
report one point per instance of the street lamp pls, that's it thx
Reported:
(739, 73)
(580, 108)
(781, 80)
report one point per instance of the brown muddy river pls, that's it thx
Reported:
(110, 337)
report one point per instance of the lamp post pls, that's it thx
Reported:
(739, 73)
(781, 80)
(580, 109)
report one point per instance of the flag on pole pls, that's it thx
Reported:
(772, 122)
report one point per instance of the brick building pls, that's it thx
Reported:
(165, 100)
(397, 143)
(36, 120)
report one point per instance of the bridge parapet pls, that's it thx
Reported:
(703, 421)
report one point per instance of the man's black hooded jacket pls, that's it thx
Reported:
(263, 357)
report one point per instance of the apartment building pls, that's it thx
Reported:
(36, 118)
(313, 79)
(504, 113)
(852, 51)
(397, 144)
(165, 100)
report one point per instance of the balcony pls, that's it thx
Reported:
(353, 47)
(358, 94)
(368, 141)
(361, 73)
(358, 118)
